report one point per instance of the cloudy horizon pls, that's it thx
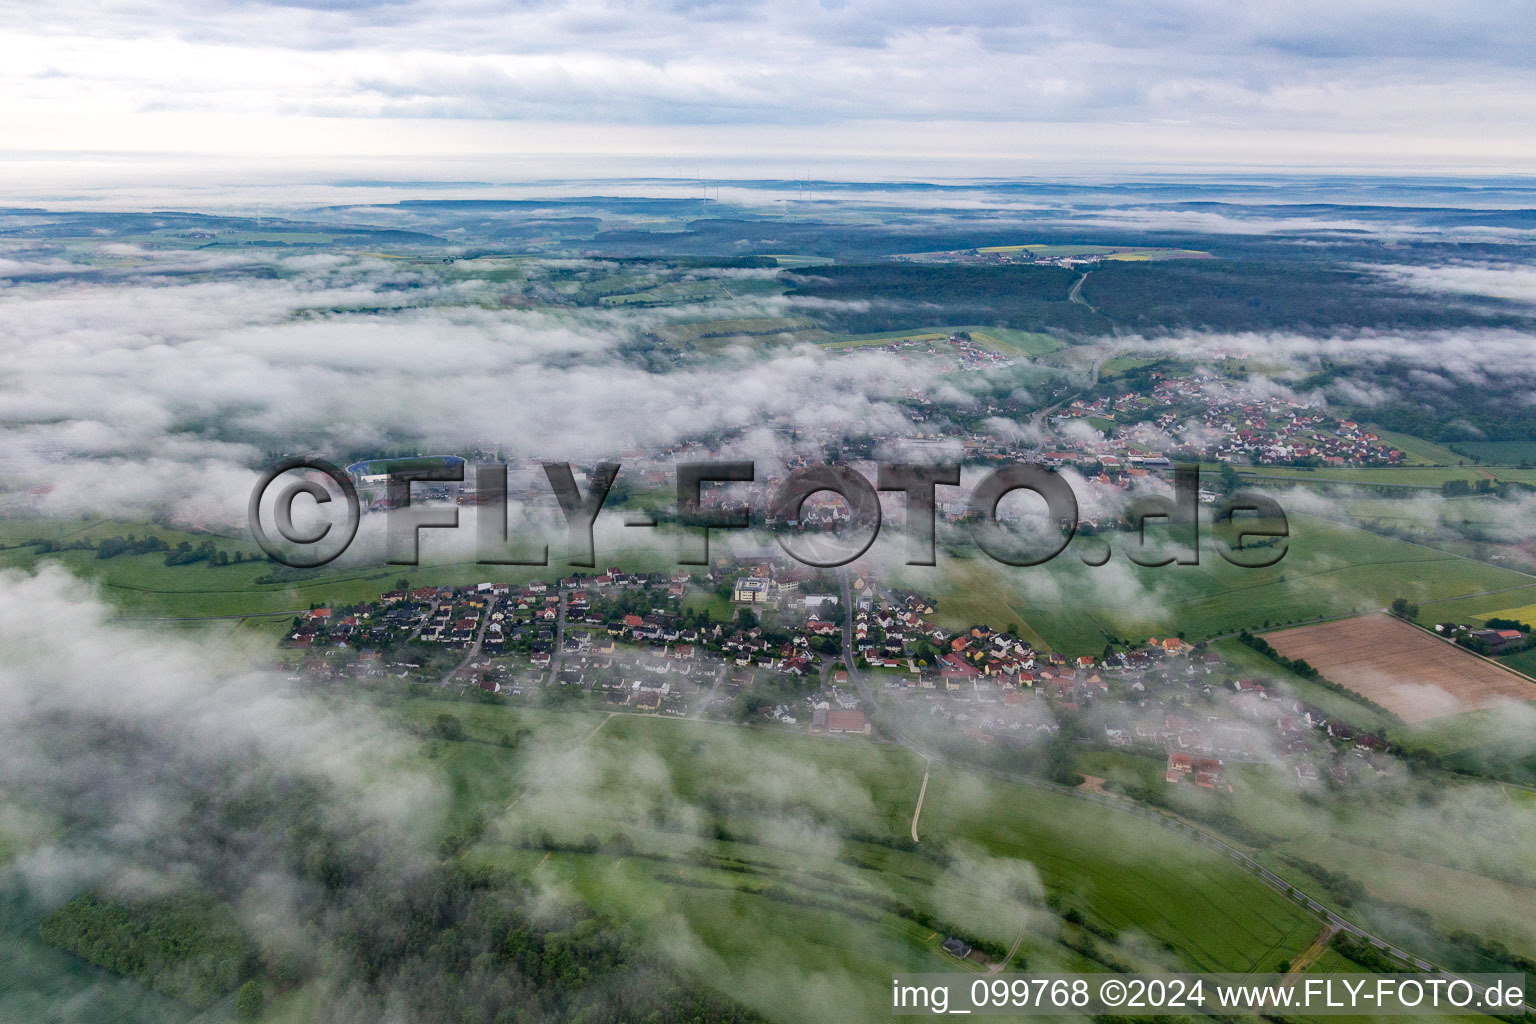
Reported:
(872, 89)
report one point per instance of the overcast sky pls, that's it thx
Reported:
(863, 87)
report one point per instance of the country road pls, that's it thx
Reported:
(709, 698)
(474, 648)
(557, 656)
(1037, 418)
(1076, 294)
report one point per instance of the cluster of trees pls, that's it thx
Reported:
(111, 547)
(771, 691)
(452, 944)
(48, 547)
(1340, 886)
(1366, 955)
(1462, 488)
(185, 554)
(188, 947)
(461, 839)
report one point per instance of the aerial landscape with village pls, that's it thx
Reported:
(750, 512)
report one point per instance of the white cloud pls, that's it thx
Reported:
(1498, 281)
(166, 394)
(1192, 83)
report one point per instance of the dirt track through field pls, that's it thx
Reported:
(1414, 674)
(919, 809)
(1307, 957)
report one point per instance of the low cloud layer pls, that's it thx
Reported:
(157, 393)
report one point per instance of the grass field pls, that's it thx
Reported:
(720, 821)
(1406, 670)
(1502, 453)
(1456, 857)
(143, 586)
(793, 262)
(1523, 662)
(1426, 510)
(1330, 569)
(712, 334)
(1476, 606)
(1129, 876)
(1458, 900)
(1108, 252)
(1121, 364)
(1419, 451)
(1415, 476)
(776, 866)
(719, 608)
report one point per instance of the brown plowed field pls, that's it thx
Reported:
(1402, 668)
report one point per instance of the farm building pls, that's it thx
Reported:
(957, 948)
(847, 721)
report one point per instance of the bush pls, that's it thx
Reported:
(249, 1000)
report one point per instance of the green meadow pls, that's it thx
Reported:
(781, 867)
(1329, 569)
(143, 586)
(1427, 476)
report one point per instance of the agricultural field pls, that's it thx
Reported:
(1412, 673)
(1004, 340)
(1520, 613)
(718, 334)
(1437, 868)
(1120, 253)
(790, 261)
(1334, 704)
